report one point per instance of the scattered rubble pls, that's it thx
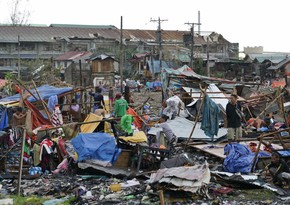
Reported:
(95, 161)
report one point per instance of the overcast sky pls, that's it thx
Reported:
(248, 22)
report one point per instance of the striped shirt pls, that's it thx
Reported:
(166, 130)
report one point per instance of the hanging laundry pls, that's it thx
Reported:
(47, 145)
(56, 118)
(52, 102)
(210, 117)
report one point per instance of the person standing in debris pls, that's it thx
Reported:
(234, 116)
(166, 130)
(147, 87)
(279, 170)
(121, 106)
(138, 86)
(111, 96)
(98, 99)
(18, 118)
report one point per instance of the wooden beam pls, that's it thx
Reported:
(21, 162)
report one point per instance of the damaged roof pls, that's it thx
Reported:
(49, 34)
(9, 34)
(273, 57)
(73, 55)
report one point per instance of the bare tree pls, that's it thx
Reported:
(19, 14)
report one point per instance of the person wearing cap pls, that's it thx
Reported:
(121, 106)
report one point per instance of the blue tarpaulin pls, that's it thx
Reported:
(4, 120)
(45, 92)
(99, 146)
(239, 158)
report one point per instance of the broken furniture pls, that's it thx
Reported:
(155, 152)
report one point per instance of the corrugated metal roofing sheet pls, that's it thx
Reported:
(72, 55)
(62, 31)
(212, 91)
(273, 57)
(47, 34)
(182, 128)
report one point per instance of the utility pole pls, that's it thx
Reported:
(199, 22)
(18, 63)
(192, 41)
(207, 58)
(121, 55)
(159, 39)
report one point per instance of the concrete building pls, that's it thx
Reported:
(46, 43)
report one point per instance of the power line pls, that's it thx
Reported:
(159, 38)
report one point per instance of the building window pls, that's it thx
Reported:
(77, 47)
(52, 47)
(27, 46)
(3, 47)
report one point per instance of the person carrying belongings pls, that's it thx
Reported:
(279, 170)
(165, 137)
(234, 116)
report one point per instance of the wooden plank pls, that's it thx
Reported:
(215, 150)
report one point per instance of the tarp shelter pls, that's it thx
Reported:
(154, 66)
(45, 92)
(97, 146)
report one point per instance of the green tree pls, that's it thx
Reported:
(198, 66)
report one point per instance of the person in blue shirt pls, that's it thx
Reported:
(148, 87)
(98, 99)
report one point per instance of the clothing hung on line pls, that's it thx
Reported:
(210, 117)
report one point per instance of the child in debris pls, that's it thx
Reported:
(166, 130)
(279, 170)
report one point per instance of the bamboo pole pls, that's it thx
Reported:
(269, 105)
(197, 116)
(256, 156)
(42, 102)
(249, 111)
(283, 111)
(260, 138)
(161, 197)
(24, 87)
(90, 122)
(273, 133)
(21, 162)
